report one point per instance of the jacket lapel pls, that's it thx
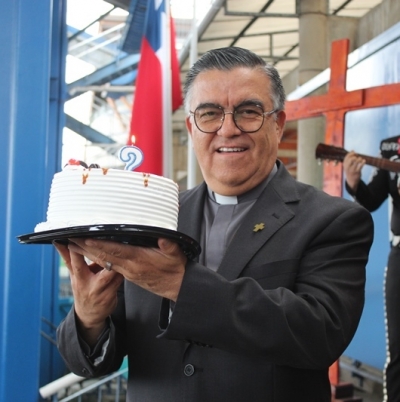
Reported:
(191, 212)
(270, 209)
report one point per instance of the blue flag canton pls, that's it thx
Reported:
(156, 9)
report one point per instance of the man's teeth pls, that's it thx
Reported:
(231, 149)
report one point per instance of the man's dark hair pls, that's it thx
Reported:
(228, 58)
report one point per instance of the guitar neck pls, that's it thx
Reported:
(333, 153)
(381, 163)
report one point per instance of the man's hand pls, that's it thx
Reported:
(158, 270)
(352, 165)
(94, 290)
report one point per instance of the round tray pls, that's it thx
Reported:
(144, 236)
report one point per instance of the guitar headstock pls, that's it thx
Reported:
(330, 153)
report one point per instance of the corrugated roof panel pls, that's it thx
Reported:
(283, 6)
(224, 28)
(273, 25)
(253, 6)
(204, 47)
(355, 8)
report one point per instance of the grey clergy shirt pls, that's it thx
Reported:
(222, 218)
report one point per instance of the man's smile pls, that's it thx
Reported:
(225, 149)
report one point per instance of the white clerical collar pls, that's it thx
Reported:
(225, 199)
(251, 195)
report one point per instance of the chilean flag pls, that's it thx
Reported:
(158, 91)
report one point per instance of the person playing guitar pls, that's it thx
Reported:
(384, 183)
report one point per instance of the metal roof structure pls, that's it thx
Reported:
(270, 28)
(267, 27)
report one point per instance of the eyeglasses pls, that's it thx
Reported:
(247, 118)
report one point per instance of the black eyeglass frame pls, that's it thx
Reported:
(264, 114)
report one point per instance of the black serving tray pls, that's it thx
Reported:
(137, 235)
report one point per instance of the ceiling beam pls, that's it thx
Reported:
(86, 131)
(105, 74)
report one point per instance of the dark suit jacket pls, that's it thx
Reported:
(283, 306)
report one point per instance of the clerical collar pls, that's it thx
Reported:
(225, 199)
(253, 194)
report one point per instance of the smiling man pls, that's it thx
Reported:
(277, 292)
(230, 104)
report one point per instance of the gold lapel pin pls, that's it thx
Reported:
(258, 227)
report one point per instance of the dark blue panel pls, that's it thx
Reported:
(364, 131)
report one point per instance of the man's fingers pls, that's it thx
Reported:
(64, 254)
(62, 250)
(167, 246)
(79, 265)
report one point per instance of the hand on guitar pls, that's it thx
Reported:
(352, 165)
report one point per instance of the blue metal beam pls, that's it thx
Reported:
(51, 363)
(86, 131)
(100, 42)
(106, 74)
(134, 28)
(27, 160)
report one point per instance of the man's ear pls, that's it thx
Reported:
(189, 125)
(280, 123)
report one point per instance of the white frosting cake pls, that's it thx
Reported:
(95, 196)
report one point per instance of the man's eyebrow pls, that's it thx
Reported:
(251, 102)
(246, 102)
(207, 104)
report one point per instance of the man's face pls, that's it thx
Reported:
(233, 162)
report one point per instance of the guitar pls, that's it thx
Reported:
(330, 152)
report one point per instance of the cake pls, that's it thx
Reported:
(82, 196)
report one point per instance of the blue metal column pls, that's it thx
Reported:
(26, 160)
(51, 364)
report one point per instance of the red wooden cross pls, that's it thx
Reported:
(334, 105)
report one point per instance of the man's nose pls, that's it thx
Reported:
(229, 127)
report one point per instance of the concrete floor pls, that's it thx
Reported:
(367, 397)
